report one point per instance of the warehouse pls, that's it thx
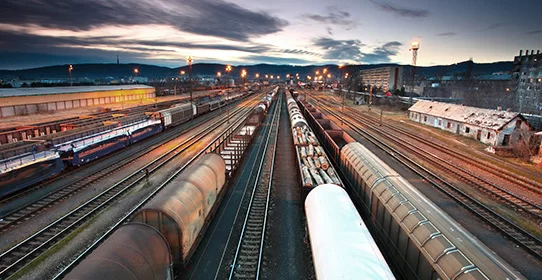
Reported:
(491, 127)
(26, 101)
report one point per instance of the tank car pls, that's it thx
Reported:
(342, 247)
(425, 241)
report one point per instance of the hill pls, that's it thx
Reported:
(94, 71)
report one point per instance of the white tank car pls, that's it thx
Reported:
(342, 247)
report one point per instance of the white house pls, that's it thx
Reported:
(492, 127)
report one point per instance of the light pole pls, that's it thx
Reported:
(228, 70)
(190, 60)
(218, 75)
(70, 69)
(244, 75)
(136, 71)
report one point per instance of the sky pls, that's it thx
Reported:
(36, 33)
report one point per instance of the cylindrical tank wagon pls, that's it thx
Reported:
(181, 210)
(134, 251)
(342, 247)
(165, 232)
(426, 242)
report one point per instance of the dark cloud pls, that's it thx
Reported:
(382, 54)
(534, 32)
(446, 34)
(298, 51)
(276, 60)
(495, 26)
(351, 50)
(204, 17)
(401, 11)
(329, 31)
(340, 49)
(334, 16)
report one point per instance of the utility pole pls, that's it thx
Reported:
(414, 47)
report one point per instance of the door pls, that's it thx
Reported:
(479, 135)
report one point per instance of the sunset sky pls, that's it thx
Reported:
(164, 32)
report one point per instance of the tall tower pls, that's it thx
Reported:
(117, 59)
(414, 46)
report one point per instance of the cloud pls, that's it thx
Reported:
(401, 11)
(299, 52)
(446, 34)
(204, 17)
(340, 49)
(534, 32)
(277, 60)
(335, 17)
(329, 31)
(382, 54)
(495, 26)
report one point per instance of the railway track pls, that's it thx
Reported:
(16, 217)
(519, 235)
(142, 148)
(27, 250)
(472, 178)
(513, 178)
(248, 256)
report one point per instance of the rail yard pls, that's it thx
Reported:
(268, 183)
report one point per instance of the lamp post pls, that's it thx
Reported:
(190, 60)
(228, 70)
(218, 75)
(341, 66)
(244, 75)
(70, 69)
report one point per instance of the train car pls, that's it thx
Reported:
(144, 130)
(203, 108)
(176, 115)
(134, 251)
(341, 244)
(423, 240)
(24, 170)
(84, 150)
(183, 209)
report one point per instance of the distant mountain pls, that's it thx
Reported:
(94, 71)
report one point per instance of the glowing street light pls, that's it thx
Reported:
(266, 76)
(190, 60)
(136, 71)
(70, 69)
(257, 75)
(228, 70)
(182, 72)
(325, 70)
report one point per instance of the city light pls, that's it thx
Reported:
(218, 74)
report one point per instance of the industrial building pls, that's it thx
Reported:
(492, 127)
(26, 101)
(528, 81)
(386, 78)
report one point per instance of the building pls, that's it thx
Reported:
(528, 81)
(492, 127)
(25, 101)
(386, 78)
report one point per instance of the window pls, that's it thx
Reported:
(489, 135)
(439, 122)
(467, 129)
(448, 125)
(424, 118)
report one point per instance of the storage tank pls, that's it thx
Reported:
(180, 210)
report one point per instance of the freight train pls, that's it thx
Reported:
(23, 164)
(422, 241)
(161, 237)
(342, 247)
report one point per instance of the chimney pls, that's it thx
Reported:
(508, 110)
(499, 108)
(520, 52)
(532, 52)
(538, 52)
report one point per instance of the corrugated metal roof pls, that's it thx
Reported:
(10, 92)
(486, 118)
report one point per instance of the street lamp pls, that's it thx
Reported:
(244, 75)
(70, 69)
(218, 75)
(228, 70)
(341, 67)
(190, 60)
